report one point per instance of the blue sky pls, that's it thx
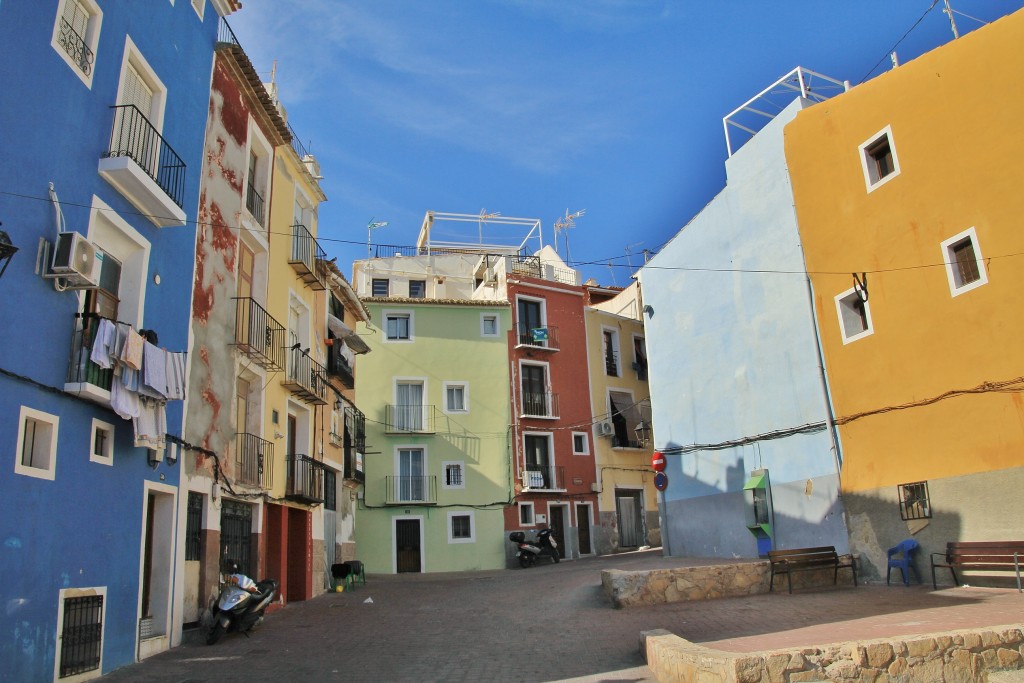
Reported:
(534, 107)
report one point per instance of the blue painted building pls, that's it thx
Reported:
(736, 381)
(101, 132)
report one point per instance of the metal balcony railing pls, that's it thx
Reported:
(305, 480)
(355, 421)
(297, 145)
(624, 442)
(540, 404)
(537, 337)
(305, 257)
(81, 370)
(403, 490)
(529, 266)
(544, 477)
(133, 136)
(254, 458)
(351, 471)
(258, 335)
(305, 377)
(75, 46)
(338, 367)
(254, 204)
(611, 364)
(409, 419)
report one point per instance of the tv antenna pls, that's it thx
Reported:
(484, 216)
(629, 252)
(563, 224)
(611, 269)
(373, 224)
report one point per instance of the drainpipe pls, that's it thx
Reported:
(836, 444)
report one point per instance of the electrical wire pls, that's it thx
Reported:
(891, 49)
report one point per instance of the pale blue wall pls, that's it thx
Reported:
(733, 354)
(84, 528)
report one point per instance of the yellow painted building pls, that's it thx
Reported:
(909, 202)
(620, 438)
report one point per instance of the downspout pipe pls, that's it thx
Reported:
(837, 453)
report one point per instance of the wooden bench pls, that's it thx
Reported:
(981, 555)
(806, 559)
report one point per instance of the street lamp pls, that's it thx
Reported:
(6, 251)
(643, 432)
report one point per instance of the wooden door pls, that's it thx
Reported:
(407, 546)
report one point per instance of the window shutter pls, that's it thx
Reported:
(77, 16)
(137, 92)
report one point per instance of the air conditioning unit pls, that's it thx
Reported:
(604, 428)
(77, 261)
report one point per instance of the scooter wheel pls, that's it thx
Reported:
(555, 557)
(526, 560)
(216, 631)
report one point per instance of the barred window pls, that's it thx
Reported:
(914, 501)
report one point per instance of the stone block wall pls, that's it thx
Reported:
(953, 657)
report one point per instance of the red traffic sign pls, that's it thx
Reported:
(658, 461)
(661, 481)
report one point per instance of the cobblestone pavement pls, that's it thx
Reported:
(547, 623)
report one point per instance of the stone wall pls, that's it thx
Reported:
(953, 657)
(682, 584)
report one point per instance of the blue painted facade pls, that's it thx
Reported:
(82, 529)
(733, 356)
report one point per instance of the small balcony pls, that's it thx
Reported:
(355, 422)
(254, 204)
(85, 378)
(626, 442)
(540, 404)
(354, 465)
(74, 45)
(258, 335)
(144, 168)
(305, 480)
(409, 419)
(338, 366)
(405, 490)
(539, 477)
(542, 338)
(306, 253)
(254, 461)
(306, 378)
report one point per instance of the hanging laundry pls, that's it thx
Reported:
(103, 343)
(132, 353)
(151, 424)
(154, 372)
(124, 399)
(175, 376)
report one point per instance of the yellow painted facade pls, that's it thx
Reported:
(623, 469)
(953, 121)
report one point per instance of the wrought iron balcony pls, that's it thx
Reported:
(305, 480)
(355, 422)
(305, 377)
(544, 338)
(540, 404)
(405, 490)
(132, 136)
(338, 367)
(254, 460)
(254, 204)
(529, 266)
(75, 46)
(258, 335)
(625, 442)
(305, 257)
(543, 477)
(354, 465)
(409, 419)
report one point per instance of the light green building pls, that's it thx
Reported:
(435, 391)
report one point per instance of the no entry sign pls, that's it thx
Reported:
(658, 461)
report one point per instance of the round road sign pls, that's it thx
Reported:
(661, 481)
(658, 461)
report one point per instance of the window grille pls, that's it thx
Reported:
(914, 501)
(330, 490)
(81, 635)
(194, 527)
(461, 527)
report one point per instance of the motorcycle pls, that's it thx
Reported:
(529, 552)
(241, 604)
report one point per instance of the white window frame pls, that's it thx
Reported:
(199, 6)
(53, 421)
(465, 397)
(412, 326)
(547, 390)
(484, 317)
(472, 526)
(462, 474)
(259, 144)
(533, 513)
(107, 458)
(869, 330)
(114, 235)
(380, 279)
(63, 595)
(586, 443)
(91, 38)
(398, 468)
(871, 181)
(133, 56)
(949, 258)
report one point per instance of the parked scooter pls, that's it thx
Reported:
(241, 603)
(529, 552)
